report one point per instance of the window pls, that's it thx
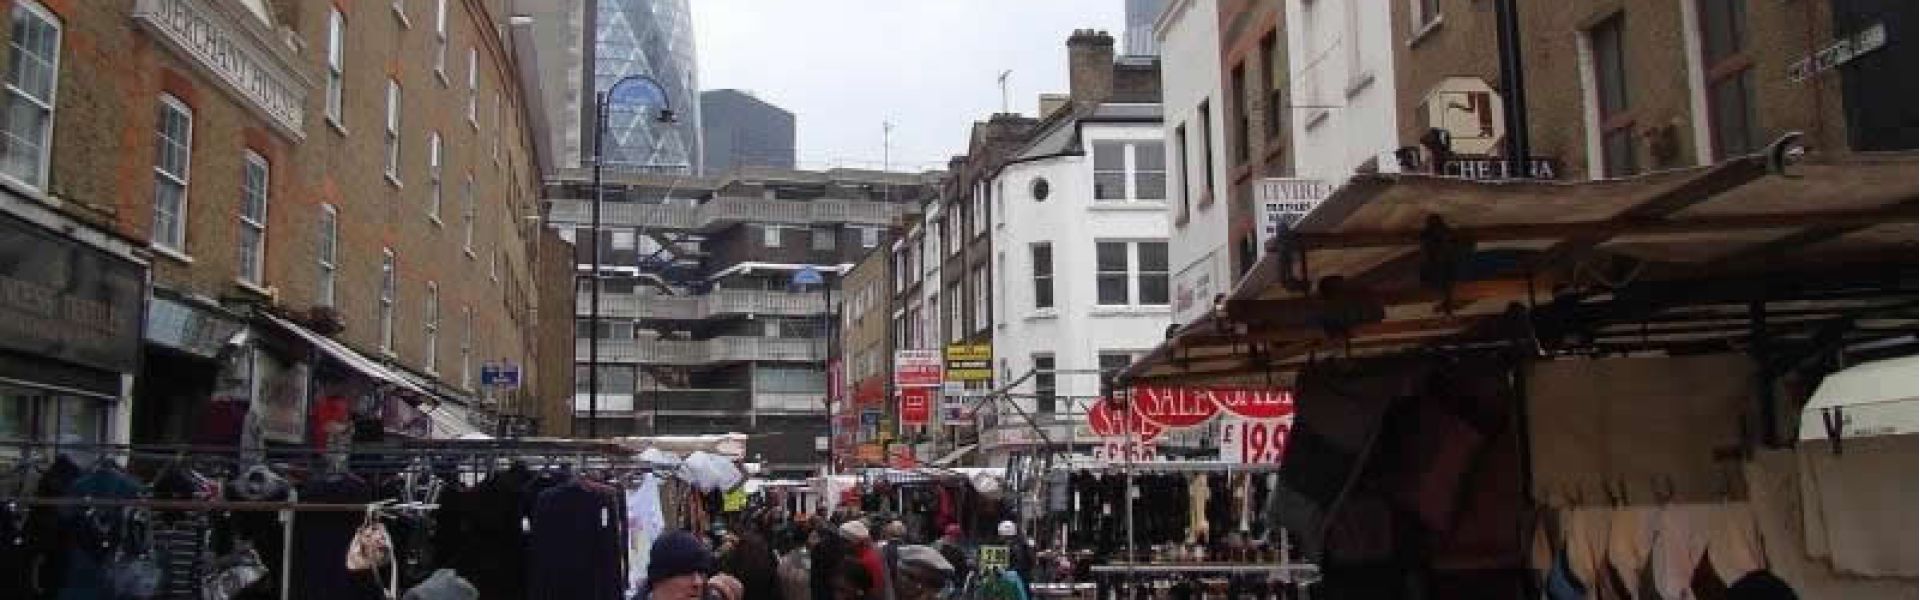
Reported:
(440, 39)
(954, 303)
(1131, 273)
(466, 347)
(434, 177)
(980, 209)
(1186, 176)
(1206, 150)
(326, 254)
(33, 75)
(1149, 171)
(982, 300)
(336, 61)
(1357, 74)
(1113, 361)
(1042, 274)
(869, 237)
(1238, 100)
(770, 236)
(1272, 67)
(253, 219)
(1610, 87)
(393, 130)
(823, 239)
(1040, 188)
(467, 214)
(387, 282)
(496, 128)
(473, 87)
(432, 325)
(1425, 12)
(171, 166)
(1044, 378)
(1109, 171)
(1730, 94)
(493, 265)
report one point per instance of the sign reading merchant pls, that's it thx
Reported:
(216, 35)
(62, 300)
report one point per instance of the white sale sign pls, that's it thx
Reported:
(1254, 441)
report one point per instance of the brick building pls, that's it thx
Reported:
(330, 196)
(865, 353)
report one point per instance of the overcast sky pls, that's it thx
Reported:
(928, 66)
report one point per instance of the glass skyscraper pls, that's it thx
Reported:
(653, 38)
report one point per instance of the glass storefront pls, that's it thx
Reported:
(36, 415)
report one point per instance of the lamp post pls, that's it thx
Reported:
(645, 92)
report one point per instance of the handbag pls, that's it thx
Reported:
(371, 546)
(230, 574)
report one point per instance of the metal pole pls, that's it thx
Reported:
(1513, 82)
(593, 278)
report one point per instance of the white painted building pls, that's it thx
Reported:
(1079, 230)
(1340, 55)
(1189, 36)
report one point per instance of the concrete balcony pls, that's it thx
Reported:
(701, 352)
(693, 308)
(722, 212)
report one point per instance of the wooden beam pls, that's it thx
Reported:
(1307, 310)
(1286, 335)
(1719, 179)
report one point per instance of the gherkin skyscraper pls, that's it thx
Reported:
(653, 38)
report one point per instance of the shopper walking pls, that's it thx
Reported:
(678, 567)
(867, 556)
(922, 574)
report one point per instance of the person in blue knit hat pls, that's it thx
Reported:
(678, 567)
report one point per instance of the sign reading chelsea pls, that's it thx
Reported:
(242, 61)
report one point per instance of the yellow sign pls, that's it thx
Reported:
(871, 453)
(969, 362)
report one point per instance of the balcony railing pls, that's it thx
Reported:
(692, 308)
(716, 350)
(722, 212)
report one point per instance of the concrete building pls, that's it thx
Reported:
(1340, 55)
(1080, 235)
(739, 129)
(312, 218)
(584, 47)
(1200, 243)
(1139, 40)
(703, 329)
(1615, 89)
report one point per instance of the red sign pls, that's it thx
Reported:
(916, 405)
(871, 391)
(1106, 421)
(901, 457)
(1174, 408)
(1253, 403)
(918, 368)
(1254, 441)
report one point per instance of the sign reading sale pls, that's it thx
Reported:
(1254, 441)
(916, 405)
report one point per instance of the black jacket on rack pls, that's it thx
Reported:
(494, 555)
(320, 541)
(576, 543)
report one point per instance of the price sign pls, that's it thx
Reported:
(994, 558)
(1116, 450)
(1254, 441)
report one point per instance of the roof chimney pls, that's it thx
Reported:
(1051, 102)
(1089, 66)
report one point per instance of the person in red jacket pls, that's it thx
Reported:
(868, 556)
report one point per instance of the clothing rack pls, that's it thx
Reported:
(1176, 466)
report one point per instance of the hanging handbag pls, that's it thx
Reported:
(228, 575)
(372, 547)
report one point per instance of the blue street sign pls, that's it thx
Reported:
(506, 375)
(808, 276)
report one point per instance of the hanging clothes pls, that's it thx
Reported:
(576, 551)
(1197, 494)
(1733, 542)
(645, 523)
(94, 532)
(1629, 543)
(1588, 532)
(494, 559)
(1678, 546)
(320, 541)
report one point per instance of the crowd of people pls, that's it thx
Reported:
(771, 556)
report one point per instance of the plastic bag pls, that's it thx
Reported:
(708, 472)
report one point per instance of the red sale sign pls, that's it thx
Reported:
(1253, 403)
(1174, 407)
(916, 405)
(1254, 441)
(1107, 421)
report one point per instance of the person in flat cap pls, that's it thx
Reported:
(678, 567)
(923, 573)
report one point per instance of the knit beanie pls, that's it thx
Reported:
(675, 554)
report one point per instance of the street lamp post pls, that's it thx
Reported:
(647, 92)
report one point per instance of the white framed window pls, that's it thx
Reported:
(1113, 361)
(336, 64)
(473, 87)
(1131, 273)
(496, 128)
(869, 237)
(467, 214)
(435, 182)
(388, 279)
(253, 219)
(493, 265)
(393, 130)
(33, 77)
(440, 40)
(823, 239)
(172, 164)
(1045, 380)
(770, 236)
(980, 208)
(326, 254)
(982, 300)
(1129, 171)
(466, 347)
(954, 307)
(1042, 257)
(431, 322)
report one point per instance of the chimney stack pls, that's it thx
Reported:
(1089, 66)
(1051, 102)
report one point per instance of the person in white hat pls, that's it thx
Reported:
(923, 573)
(1019, 551)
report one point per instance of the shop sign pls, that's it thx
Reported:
(176, 325)
(955, 408)
(969, 362)
(62, 300)
(870, 453)
(280, 396)
(505, 375)
(1172, 407)
(1105, 420)
(994, 558)
(1283, 201)
(1195, 286)
(1840, 52)
(1121, 450)
(1254, 441)
(916, 368)
(901, 457)
(1252, 403)
(241, 61)
(916, 405)
(1485, 168)
(869, 424)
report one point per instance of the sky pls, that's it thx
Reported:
(929, 67)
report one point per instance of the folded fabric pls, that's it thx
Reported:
(1629, 543)
(1678, 545)
(1587, 535)
(1733, 542)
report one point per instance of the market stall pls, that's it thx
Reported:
(1509, 386)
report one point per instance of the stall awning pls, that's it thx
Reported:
(955, 455)
(1873, 399)
(347, 356)
(1681, 259)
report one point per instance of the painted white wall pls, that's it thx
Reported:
(1198, 250)
(1075, 330)
(1341, 56)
